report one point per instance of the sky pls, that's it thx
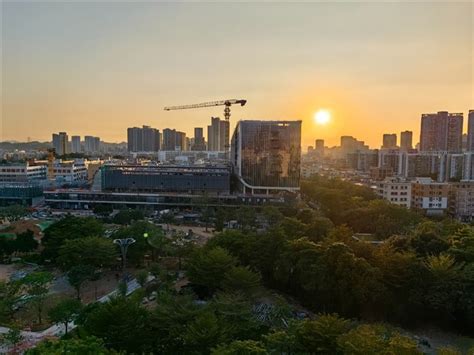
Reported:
(96, 68)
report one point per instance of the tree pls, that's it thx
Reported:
(128, 216)
(65, 312)
(240, 347)
(142, 277)
(94, 251)
(376, 339)
(12, 338)
(241, 279)
(68, 228)
(13, 212)
(148, 237)
(79, 274)
(37, 285)
(88, 345)
(207, 268)
(181, 246)
(25, 242)
(321, 335)
(8, 295)
(121, 323)
(204, 333)
(103, 210)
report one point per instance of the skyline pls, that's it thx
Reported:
(99, 68)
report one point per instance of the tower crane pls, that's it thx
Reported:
(226, 103)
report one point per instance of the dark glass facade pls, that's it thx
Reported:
(131, 178)
(267, 153)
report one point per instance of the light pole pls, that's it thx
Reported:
(124, 244)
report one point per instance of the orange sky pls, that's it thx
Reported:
(98, 68)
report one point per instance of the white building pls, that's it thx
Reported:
(70, 172)
(396, 191)
(22, 172)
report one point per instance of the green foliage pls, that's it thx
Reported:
(93, 251)
(142, 277)
(128, 216)
(65, 312)
(121, 323)
(376, 339)
(240, 347)
(103, 210)
(148, 239)
(321, 335)
(79, 274)
(12, 338)
(37, 286)
(68, 228)
(89, 345)
(241, 279)
(8, 295)
(13, 212)
(208, 267)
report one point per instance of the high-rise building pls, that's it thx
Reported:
(406, 141)
(61, 143)
(169, 139)
(199, 143)
(181, 141)
(266, 155)
(76, 144)
(350, 144)
(145, 139)
(319, 147)
(441, 132)
(389, 141)
(218, 135)
(91, 144)
(470, 132)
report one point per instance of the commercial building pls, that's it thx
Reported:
(166, 178)
(199, 144)
(23, 173)
(145, 139)
(396, 191)
(70, 172)
(430, 196)
(218, 135)
(441, 132)
(350, 144)
(319, 147)
(61, 143)
(76, 144)
(389, 141)
(266, 155)
(28, 194)
(406, 141)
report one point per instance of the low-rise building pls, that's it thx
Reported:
(430, 196)
(396, 191)
(461, 200)
(22, 172)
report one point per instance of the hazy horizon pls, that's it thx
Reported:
(98, 68)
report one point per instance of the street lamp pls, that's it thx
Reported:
(124, 244)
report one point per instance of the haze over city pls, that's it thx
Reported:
(98, 68)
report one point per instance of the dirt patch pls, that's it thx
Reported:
(6, 271)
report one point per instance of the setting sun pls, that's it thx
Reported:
(322, 117)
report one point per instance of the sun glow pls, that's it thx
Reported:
(322, 117)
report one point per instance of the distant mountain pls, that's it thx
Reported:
(24, 145)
